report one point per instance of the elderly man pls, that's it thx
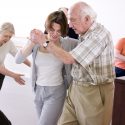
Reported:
(90, 96)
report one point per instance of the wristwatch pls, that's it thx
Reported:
(45, 44)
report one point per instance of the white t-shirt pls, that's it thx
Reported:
(6, 48)
(49, 69)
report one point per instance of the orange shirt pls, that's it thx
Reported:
(121, 47)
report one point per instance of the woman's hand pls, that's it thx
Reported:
(17, 78)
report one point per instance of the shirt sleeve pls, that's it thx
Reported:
(13, 49)
(89, 49)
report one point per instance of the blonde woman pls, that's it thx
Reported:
(7, 46)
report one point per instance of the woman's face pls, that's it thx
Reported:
(54, 33)
(5, 37)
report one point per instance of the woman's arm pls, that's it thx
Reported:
(119, 56)
(27, 62)
(24, 53)
(120, 50)
(15, 76)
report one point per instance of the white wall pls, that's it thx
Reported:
(16, 101)
(28, 14)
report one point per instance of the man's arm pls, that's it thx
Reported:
(66, 57)
(39, 37)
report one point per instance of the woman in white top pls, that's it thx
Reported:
(47, 76)
(7, 46)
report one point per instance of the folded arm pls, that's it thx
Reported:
(119, 56)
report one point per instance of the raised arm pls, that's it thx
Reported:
(24, 53)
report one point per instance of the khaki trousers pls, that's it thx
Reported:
(88, 105)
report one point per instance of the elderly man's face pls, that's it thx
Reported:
(77, 22)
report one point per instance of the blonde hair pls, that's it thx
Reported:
(7, 27)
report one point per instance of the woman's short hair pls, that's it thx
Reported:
(7, 26)
(59, 18)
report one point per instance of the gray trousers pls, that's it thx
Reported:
(49, 102)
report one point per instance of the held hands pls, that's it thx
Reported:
(37, 36)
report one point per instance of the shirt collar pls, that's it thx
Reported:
(84, 36)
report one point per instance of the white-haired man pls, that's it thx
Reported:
(90, 96)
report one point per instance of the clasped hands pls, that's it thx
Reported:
(37, 36)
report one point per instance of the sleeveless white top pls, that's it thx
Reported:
(49, 69)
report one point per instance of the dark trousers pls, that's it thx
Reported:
(118, 117)
(3, 119)
(1, 80)
(119, 72)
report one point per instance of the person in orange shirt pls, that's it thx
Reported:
(120, 58)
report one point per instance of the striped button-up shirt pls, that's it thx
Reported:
(94, 56)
